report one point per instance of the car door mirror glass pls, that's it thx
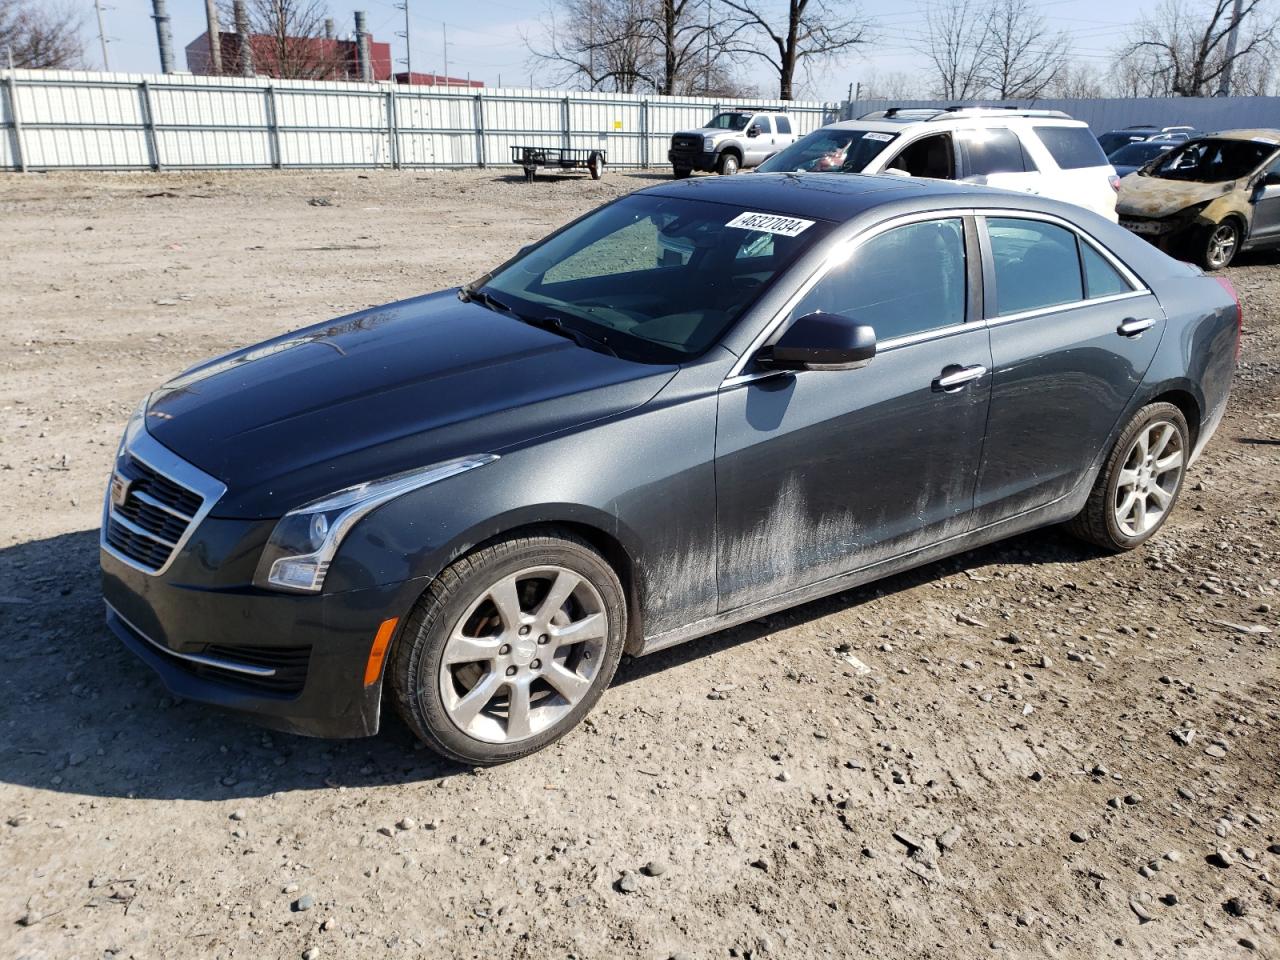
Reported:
(821, 341)
(753, 131)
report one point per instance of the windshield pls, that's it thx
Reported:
(843, 151)
(730, 121)
(1213, 161)
(1136, 154)
(653, 278)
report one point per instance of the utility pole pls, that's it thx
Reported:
(102, 36)
(1224, 89)
(163, 35)
(408, 44)
(706, 70)
(444, 39)
(245, 48)
(215, 37)
(362, 47)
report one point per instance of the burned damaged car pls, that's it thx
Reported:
(1208, 199)
(700, 404)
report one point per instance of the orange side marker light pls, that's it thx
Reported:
(381, 640)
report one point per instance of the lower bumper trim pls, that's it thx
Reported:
(216, 662)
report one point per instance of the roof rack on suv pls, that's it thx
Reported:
(950, 112)
(755, 110)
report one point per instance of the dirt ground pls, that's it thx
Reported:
(1005, 780)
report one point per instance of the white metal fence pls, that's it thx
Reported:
(53, 120)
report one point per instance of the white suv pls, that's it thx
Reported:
(1035, 151)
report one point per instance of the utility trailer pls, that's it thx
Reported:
(566, 158)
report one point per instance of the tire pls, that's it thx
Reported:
(681, 173)
(457, 614)
(595, 166)
(1105, 521)
(728, 164)
(1219, 244)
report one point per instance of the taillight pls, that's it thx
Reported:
(1115, 182)
(1227, 286)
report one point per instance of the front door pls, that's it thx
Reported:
(1072, 335)
(1266, 207)
(761, 145)
(821, 472)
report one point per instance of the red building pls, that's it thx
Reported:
(436, 79)
(310, 58)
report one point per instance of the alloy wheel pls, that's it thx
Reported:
(1222, 245)
(523, 655)
(1149, 479)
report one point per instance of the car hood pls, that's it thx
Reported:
(1156, 197)
(391, 388)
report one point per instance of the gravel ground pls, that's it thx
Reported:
(1032, 750)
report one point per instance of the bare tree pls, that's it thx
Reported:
(811, 31)
(1023, 58)
(891, 86)
(1137, 74)
(1190, 50)
(1078, 82)
(40, 35)
(686, 36)
(957, 48)
(289, 40)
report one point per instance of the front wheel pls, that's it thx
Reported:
(728, 164)
(681, 173)
(1139, 485)
(509, 648)
(1221, 242)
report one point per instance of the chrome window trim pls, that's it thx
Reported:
(168, 464)
(217, 662)
(846, 248)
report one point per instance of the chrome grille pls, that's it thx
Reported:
(686, 142)
(154, 502)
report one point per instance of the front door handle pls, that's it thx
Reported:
(1135, 328)
(959, 376)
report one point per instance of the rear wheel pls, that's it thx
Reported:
(509, 648)
(1139, 485)
(595, 166)
(1221, 242)
(728, 164)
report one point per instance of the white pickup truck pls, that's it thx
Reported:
(731, 141)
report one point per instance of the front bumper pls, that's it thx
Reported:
(691, 160)
(291, 662)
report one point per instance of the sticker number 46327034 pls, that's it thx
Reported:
(770, 223)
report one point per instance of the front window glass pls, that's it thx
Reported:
(1213, 161)
(1037, 265)
(653, 278)
(927, 157)
(730, 121)
(1136, 154)
(843, 151)
(873, 288)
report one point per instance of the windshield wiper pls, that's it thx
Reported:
(467, 295)
(580, 337)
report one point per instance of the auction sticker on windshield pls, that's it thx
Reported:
(770, 223)
(881, 137)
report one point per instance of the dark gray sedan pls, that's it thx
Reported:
(702, 403)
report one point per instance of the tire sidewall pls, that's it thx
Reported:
(728, 164)
(1145, 417)
(427, 652)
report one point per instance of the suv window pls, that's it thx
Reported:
(871, 288)
(992, 151)
(1101, 279)
(927, 157)
(1037, 265)
(784, 125)
(1072, 148)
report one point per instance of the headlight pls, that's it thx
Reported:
(708, 144)
(134, 425)
(304, 542)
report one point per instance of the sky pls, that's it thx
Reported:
(485, 40)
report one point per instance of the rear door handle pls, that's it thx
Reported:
(1135, 328)
(958, 377)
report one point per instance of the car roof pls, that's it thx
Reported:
(946, 121)
(1258, 133)
(839, 197)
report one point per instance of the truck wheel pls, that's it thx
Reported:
(595, 166)
(509, 647)
(680, 173)
(728, 164)
(1219, 244)
(1138, 486)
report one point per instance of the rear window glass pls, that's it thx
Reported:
(1072, 148)
(992, 151)
(784, 125)
(1100, 277)
(1037, 265)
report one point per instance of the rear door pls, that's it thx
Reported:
(785, 136)
(1072, 334)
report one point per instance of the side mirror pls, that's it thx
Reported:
(1271, 179)
(753, 131)
(821, 341)
(525, 249)
(896, 172)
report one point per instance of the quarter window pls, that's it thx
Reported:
(1101, 279)
(1036, 263)
(908, 280)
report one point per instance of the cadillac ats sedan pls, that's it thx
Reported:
(699, 404)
